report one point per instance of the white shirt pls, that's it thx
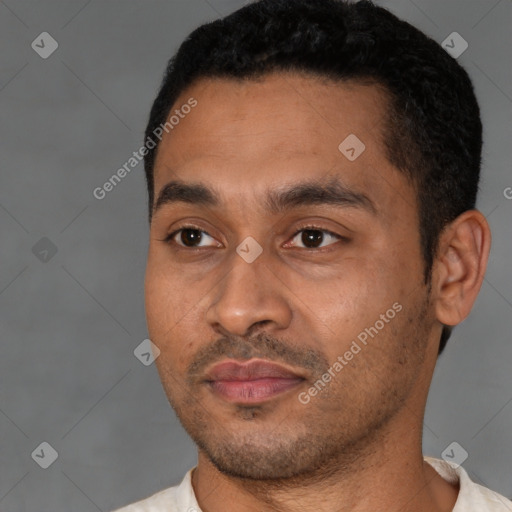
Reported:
(472, 497)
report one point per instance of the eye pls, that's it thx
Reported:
(192, 237)
(314, 238)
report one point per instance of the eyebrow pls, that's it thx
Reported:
(333, 192)
(192, 193)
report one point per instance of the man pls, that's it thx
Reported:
(312, 171)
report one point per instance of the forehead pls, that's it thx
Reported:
(285, 112)
(281, 128)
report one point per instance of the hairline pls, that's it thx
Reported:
(385, 124)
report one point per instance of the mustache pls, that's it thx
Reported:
(262, 346)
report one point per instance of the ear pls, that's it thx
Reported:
(459, 266)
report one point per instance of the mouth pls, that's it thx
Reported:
(251, 382)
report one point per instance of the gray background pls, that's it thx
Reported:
(69, 325)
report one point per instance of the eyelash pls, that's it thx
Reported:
(169, 238)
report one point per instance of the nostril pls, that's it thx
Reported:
(256, 325)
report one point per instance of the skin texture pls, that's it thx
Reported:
(356, 445)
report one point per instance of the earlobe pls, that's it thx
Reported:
(460, 265)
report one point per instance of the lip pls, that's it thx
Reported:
(252, 381)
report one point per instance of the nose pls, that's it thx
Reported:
(249, 295)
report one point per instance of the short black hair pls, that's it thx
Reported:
(433, 129)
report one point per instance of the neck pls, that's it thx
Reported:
(387, 474)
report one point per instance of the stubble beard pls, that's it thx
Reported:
(332, 434)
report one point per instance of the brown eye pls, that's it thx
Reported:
(192, 238)
(313, 238)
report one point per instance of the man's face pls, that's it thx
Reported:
(340, 272)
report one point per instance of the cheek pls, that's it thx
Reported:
(159, 306)
(347, 293)
(172, 309)
(168, 295)
(340, 307)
